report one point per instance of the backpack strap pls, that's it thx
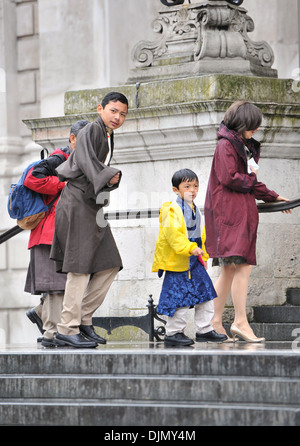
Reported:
(50, 205)
(61, 156)
(43, 151)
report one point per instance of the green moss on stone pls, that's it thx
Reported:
(123, 334)
(190, 90)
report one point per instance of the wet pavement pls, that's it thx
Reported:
(159, 347)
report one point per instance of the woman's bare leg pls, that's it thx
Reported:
(222, 287)
(239, 292)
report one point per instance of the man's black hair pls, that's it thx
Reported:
(183, 175)
(114, 97)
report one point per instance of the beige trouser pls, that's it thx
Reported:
(50, 312)
(83, 296)
(203, 315)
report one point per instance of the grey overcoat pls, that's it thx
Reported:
(80, 245)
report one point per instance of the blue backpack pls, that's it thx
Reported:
(26, 205)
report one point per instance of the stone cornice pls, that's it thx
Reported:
(188, 132)
(176, 114)
(197, 89)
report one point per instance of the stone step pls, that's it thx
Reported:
(141, 413)
(277, 314)
(224, 385)
(274, 332)
(144, 413)
(155, 360)
(293, 296)
(278, 331)
(279, 322)
(165, 389)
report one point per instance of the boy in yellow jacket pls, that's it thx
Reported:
(180, 252)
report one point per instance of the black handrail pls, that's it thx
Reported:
(277, 206)
(10, 233)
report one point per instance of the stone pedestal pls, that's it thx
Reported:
(201, 38)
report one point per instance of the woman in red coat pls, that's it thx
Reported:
(231, 216)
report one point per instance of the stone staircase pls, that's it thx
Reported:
(149, 385)
(146, 384)
(279, 323)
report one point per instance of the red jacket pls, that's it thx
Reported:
(48, 184)
(231, 215)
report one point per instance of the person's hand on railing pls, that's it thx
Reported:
(287, 211)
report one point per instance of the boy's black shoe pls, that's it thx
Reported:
(76, 340)
(46, 342)
(89, 333)
(178, 339)
(35, 319)
(211, 336)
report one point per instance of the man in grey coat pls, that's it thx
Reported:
(81, 248)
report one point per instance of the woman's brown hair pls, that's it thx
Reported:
(243, 116)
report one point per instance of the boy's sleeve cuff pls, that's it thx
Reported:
(193, 246)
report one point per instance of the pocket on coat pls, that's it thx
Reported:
(233, 208)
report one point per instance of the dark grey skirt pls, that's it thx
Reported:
(41, 275)
(224, 261)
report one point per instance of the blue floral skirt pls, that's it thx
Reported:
(185, 289)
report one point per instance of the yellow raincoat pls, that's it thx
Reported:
(173, 248)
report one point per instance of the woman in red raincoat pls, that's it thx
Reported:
(231, 216)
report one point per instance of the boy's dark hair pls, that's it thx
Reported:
(113, 96)
(243, 116)
(183, 175)
(78, 125)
